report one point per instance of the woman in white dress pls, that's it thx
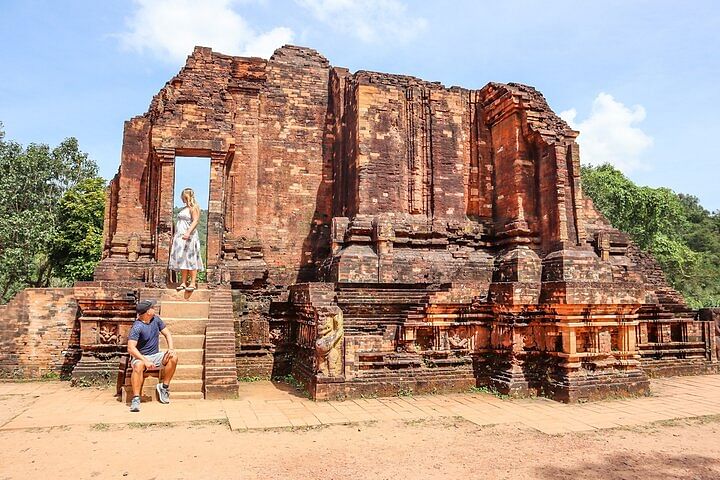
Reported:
(185, 252)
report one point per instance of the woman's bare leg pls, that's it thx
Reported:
(184, 277)
(193, 278)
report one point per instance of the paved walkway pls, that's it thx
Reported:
(263, 405)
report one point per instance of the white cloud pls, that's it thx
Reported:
(608, 135)
(170, 29)
(372, 21)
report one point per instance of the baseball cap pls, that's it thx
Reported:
(144, 305)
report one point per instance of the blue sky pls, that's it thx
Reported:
(637, 77)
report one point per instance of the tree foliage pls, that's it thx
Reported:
(683, 236)
(33, 181)
(77, 247)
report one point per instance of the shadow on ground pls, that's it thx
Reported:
(635, 465)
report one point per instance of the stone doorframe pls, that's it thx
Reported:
(219, 166)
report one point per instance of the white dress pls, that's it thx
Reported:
(185, 254)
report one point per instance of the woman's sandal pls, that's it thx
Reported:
(190, 289)
(180, 288)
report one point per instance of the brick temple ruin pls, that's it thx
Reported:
(369, 233)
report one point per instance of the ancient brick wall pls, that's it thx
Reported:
(266, 127)
(39, 333)
(625, 253)
(406, 146)
(295, 178)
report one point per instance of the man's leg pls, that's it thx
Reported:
(169, 369)
(138, 377)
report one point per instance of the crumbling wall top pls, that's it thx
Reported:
(299, 57)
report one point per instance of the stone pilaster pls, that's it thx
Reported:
(216, 225)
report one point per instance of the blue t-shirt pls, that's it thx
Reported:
(147, 335)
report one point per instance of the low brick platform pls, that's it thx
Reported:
(264, 405)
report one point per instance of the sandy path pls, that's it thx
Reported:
(447, 448)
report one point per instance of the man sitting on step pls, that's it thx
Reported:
(143, 345)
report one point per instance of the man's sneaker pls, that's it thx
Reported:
(163, 393)
(135, 404)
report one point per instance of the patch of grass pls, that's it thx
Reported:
(146, 425)
(707, 419)
(60, 428)
(672, 422)
(50, 375)
(18, 375)
(405, 392)
(293, 382)
(102, 380)
(300, 428)
(217, 421)
(415, 422)
(290, 380)
(101, 427)
(489, 390)
(251, 379)
(82, 382)
(436, 422)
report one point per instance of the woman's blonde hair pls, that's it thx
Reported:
(188, 196)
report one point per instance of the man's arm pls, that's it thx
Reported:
(168, 338)
(132, 350)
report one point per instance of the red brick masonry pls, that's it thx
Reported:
(448, 225)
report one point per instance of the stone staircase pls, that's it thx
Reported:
(202, 327)
(186, 315)
(220, 375)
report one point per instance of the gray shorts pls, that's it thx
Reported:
(156, 358)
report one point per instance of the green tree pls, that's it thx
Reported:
(682, 236)
(703, 237)
(32, 181)
(77, 246)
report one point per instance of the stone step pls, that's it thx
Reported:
(185, 386)
(183, 341)
(198, 295)
(201, 294)
(188, 372)
(150, 395)
(222, 337)
(190, 356)
(221, 380)
(186, 396)
(180, 389)
(186, 326)
(181, 309)
(227, 339)
(221, 369)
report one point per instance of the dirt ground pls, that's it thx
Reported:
(449, 448)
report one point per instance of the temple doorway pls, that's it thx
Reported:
(194, 172)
